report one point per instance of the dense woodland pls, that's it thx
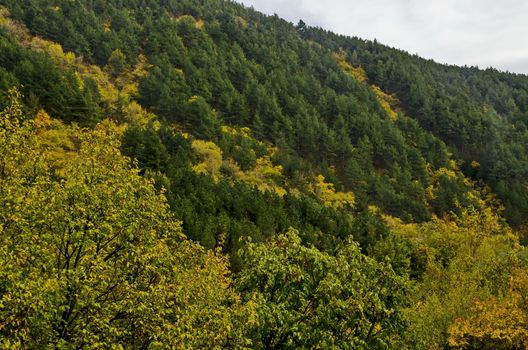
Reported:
(194, 174)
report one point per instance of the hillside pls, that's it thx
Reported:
(195, 174)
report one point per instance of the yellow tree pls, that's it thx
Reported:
(330, 197)
(496, 323)
(453, 263)
(90, 256)
(211, 158)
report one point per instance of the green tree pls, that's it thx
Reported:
(306, 298)
(116, 63)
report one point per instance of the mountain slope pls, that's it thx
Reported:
(481, 115)
(253, 71)
(343, 190)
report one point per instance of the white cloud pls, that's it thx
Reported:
(463, 32)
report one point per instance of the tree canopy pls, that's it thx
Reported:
(194, 174)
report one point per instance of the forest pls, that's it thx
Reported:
(193, 174)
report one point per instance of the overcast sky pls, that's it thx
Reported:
(472, 32)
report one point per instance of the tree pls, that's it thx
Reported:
(210, 156)
(200, 117)
(496, 323)
(306, 298)
(453, 263)
(90, 255)
(116, 63)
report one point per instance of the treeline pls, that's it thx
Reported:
(214, 63)
(482, 115)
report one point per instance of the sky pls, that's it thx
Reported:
(484, 33)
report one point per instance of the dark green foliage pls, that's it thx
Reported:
(164, 90)
(215, 63)
(44, 84)
(480, 114)
(222, 213)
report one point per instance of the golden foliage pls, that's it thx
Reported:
(108, 92)
(246, 133)
(329, 196)
(14, 28)
(128, 82)
(135, 114)
(242, 131)
(242, 22)
(198, 23)
(54, 50)
(98, 244)
(458, 261)
(357, 73)
(386, 102)
(479, 197)
(56, 143)
(211, 158)
(501, 323)
(123, 89)
(265, 176)
(42, 119)
(475, 165)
